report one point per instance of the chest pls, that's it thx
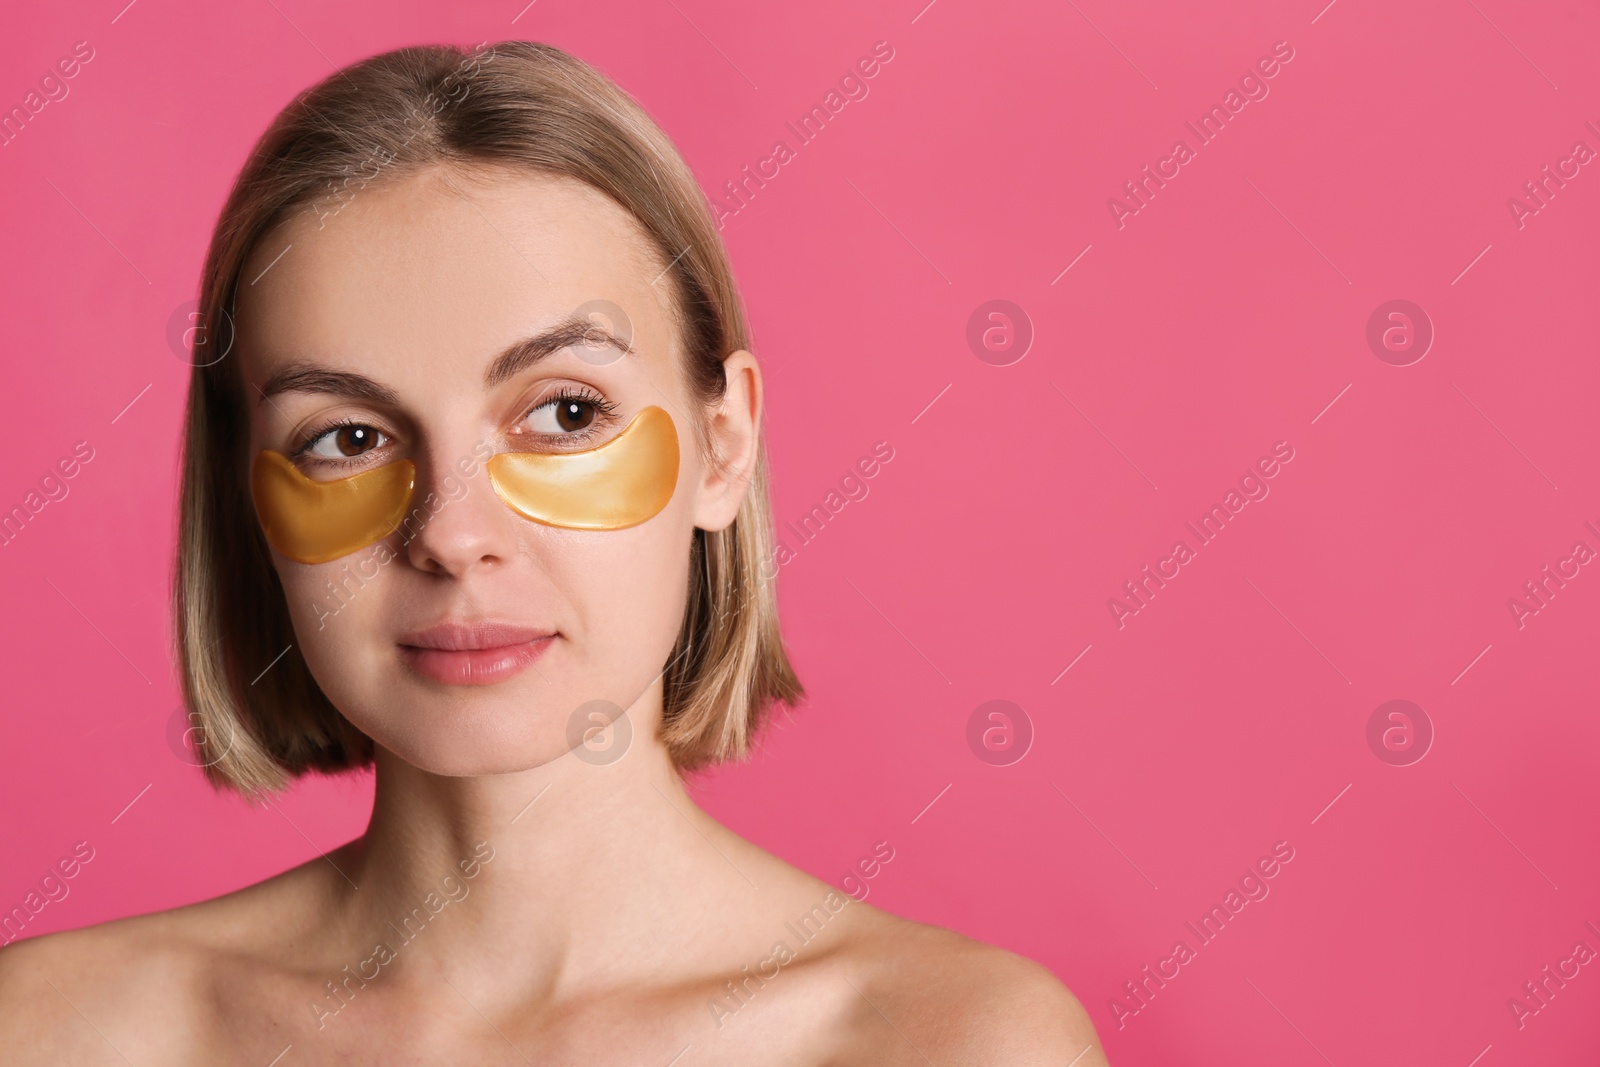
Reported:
(432, 1020)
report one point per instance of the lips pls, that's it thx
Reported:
(480, 653)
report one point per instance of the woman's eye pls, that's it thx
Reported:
(564, 415)
(346, 442)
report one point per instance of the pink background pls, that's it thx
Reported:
(1224, 317)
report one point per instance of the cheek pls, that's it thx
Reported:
(337, 610)
(618, 597)
(627, 591)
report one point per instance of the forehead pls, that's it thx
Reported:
(444, 263)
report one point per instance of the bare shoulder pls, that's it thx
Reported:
(886, 990)
(956, 1000)
(137, 989)
(85, 996)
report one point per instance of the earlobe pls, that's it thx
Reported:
(735, 439)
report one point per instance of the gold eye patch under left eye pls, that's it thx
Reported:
(312, 522)
(620, 483)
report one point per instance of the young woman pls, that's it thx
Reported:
(474, 491)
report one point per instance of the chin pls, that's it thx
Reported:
(475, 763)
(471, 735)
(460, 757)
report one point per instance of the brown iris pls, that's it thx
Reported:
(354, 440)
(574, 415)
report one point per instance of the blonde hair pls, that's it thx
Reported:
(519, 104)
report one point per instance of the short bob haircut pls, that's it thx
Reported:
(258, 719)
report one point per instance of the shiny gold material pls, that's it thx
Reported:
(618, 484)
(312, 522)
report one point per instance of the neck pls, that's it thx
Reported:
(535, 881)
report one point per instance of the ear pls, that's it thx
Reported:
(735, 437)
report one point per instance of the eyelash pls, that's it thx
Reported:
(605, 410)
(323, 431)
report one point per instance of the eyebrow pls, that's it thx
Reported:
(307, 378)
(565, 334)
(304, 378)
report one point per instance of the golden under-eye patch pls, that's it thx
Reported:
(620, 483)
(314, 522)
(617, 484)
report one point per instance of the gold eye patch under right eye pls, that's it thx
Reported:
(313, 522)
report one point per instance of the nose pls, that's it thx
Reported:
(457, 523)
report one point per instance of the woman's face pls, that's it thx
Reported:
(473, 640)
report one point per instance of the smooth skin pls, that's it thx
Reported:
(613, 911)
